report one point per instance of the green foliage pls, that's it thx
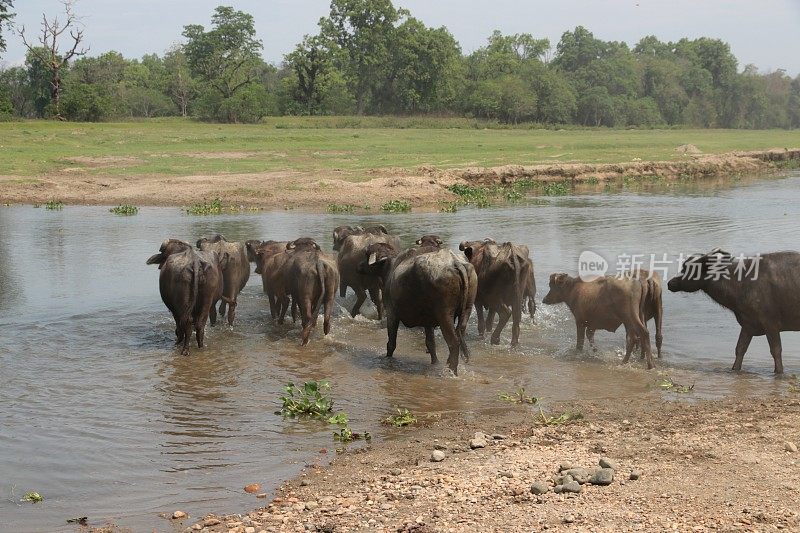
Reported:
(555, 188)
(124, 209)
(403, 418)
(310, 400)
(564, 418)
(340, 419)
(83, 102)
(669, 385)
(448, 207)
(469, 195)
(341, 208)
(54, 205)
(518, 396)
(345, 435)
(213, 207)
(396, 206)
(32, 497)
(6, 15)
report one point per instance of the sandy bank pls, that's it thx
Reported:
(424, 187)
(724, 465)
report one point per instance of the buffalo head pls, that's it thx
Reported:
(168, 247)
(697, 270)
(559, 288)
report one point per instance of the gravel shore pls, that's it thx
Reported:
(640, 465)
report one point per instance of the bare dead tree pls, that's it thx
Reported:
(48, 51)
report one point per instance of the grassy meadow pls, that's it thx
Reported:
(352, 145)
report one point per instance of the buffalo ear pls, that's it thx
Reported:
(439, 242)
(419, 241)
(290, 245)
(468, 251)
(383, 229)
(358, 228)
(317, 246)
(336, 235)
(219, 237)
(463, 246)
(157, 259)
(373, 258)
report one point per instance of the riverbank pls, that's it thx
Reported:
(426, 188)
(678, 465)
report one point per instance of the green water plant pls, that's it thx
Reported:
(669, 385)
(54, 205)
(345, 435)
(402, 418)
(206, 207)
(564, 418)
(310, 400)
(396, 206)
(124, 210)
(341, 208)
(518, 396)
(32, 497)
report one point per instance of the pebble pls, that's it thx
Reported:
(178, 515)
(635, 474)
(605, 462)
(569, 519)
(564, 466)
(252, 488)
(507, 474)
(540, 487)
(790, 446)
(261, 495)
(249, 529)
(602, 476)
(208, 522)
(437, 456)
(581, 475)
(572, 486)
(478, 441)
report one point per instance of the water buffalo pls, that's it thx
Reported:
(351, 254)
(505, 281)
(235, 269)
(604, 303)
(763, 292)
(653, 308)
(251, 246)
(425, 286)
(271, 260)
(341, 233)
(311, 278)
(190, 283)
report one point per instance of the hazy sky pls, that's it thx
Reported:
(764, 32)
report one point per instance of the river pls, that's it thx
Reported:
(105, 419)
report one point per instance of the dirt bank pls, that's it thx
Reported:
(725, 465)
(424, 188)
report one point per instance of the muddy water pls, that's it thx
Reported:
(100, 415)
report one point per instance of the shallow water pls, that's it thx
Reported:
(105, 419)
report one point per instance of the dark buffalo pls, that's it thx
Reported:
(190, 283)
(763, 304)
(311, 278)
(271, 260)
(505, 281)
(341, 233)
(604, 303)
(428, 287)
(351, 254)
(235, 269)
(251, 246)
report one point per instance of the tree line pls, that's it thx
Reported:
(372, 58)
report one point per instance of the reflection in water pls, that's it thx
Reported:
(103, 416)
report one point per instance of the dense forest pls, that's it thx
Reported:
(370, 57)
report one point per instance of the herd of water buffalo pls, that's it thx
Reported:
(430, 286)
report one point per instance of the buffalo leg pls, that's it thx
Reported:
(630, 344)
(361, 295)
(581, 331)
(306, 319)
(186, 326)
(212, 314)
(273, 304)
(392, 324)
(774, 340)
(504, 313)
(451, 338)
(516, 319)
(377, 298)
(481, 320)
(222, 307)
(326, 319)
(640, 330)
(343, 290)
(489, 318)
(200, 328)
(430, 344)
(231, 311)
(590, 338)
(741, 348)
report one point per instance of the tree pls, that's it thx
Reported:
(180, 85)
(363, 30)
(5, 20)
(225, 56)
(83, 103)
(310, 62)
(48, 52)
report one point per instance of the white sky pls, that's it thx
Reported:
(764, 32)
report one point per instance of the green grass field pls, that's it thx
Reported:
(175, 147)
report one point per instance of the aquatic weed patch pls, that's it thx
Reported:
(341, 208)
(518, 397)
(396, 206)
(124, 210)
(54, 205)
(469, 195)
(669, 385)
(212, 207)
(403, 418)
(310, 400)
